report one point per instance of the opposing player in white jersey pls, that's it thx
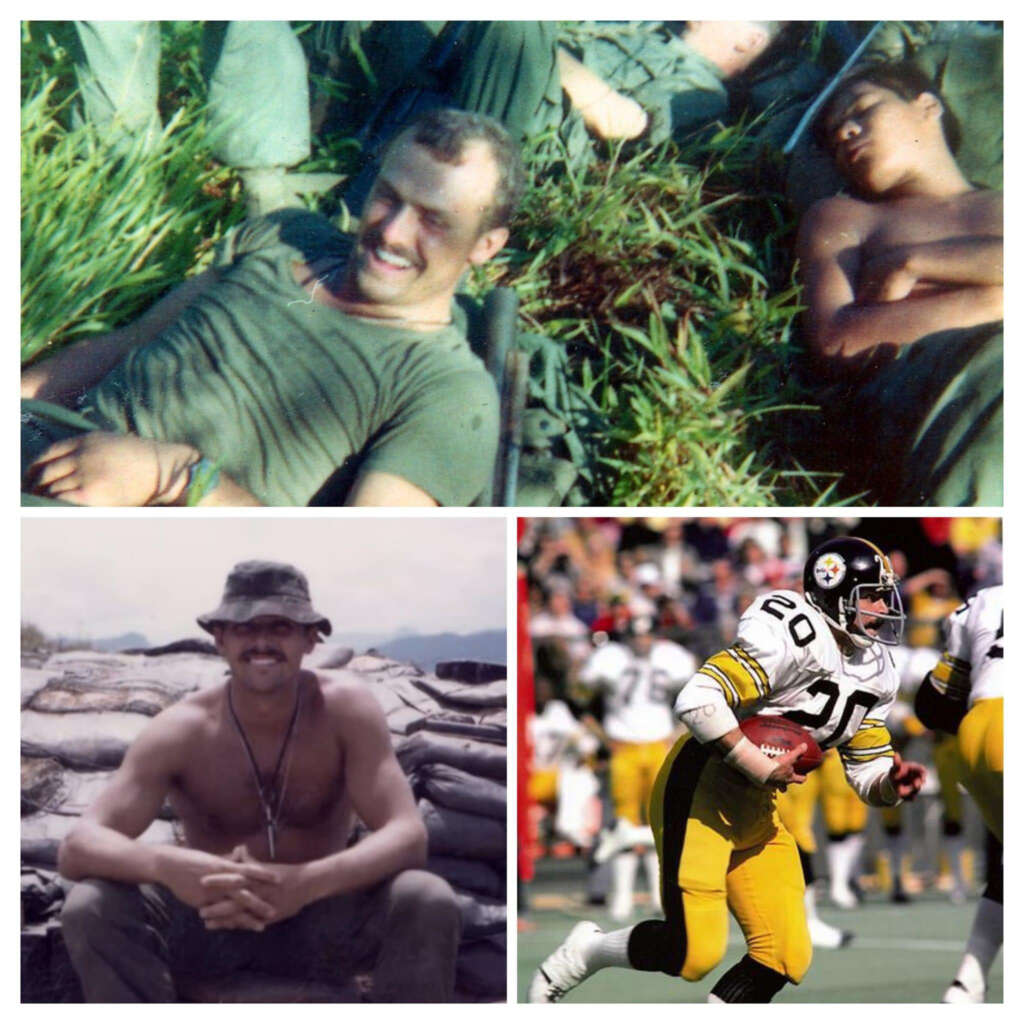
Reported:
(819, 660)
(963, 694)
(638, 680)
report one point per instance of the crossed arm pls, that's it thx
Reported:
(897, 296)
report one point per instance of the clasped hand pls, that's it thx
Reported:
(252, 903)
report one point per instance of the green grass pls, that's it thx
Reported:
(666, 273)
(900, 954)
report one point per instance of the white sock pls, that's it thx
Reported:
(983, 944)
(624, 867)
(838, 875)
(610, 949)
(810, 903)
(855, 846)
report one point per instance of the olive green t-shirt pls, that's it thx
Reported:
(293, 398)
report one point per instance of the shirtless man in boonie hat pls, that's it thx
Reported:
(267, 774)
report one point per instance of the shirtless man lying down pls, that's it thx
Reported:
(920, 249)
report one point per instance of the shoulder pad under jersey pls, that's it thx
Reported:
(782, 629)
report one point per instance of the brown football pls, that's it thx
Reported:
(775, 735)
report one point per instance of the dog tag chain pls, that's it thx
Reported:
(266, 794)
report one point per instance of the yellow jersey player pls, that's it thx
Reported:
(638, 681)
(963, 694)
(818, 659)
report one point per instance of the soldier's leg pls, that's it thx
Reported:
(117, 64)
(258, 109)
(129, 943)
(405, 930)
(116, 936)
(509, 71)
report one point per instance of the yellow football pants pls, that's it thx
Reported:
(948, 770)
(722, 848)
(796, 809)
(842, 810)
(980, 743)
(633, 769)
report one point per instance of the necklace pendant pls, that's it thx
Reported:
(270, 842)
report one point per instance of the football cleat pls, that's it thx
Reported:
(827, 936)
(566, 967)
(959, 993)
(622, 836)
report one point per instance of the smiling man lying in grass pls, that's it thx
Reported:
(904, 287)
(306, 366)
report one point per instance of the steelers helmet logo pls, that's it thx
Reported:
(829, 570)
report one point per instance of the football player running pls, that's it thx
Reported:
(819, 660)
(638, 680)
(963, 695)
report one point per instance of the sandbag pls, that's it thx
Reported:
(179, 673)
(487, 695)
(79, 752)
(460, 725)
(471, 671)
(41, 835)
(481, 967)
(336, 657)
(67, 696)
(452, 787)
(473, 876)
(33, 679)
(42, 784)
(481, 916)
(460, 834)
(62, 735)
(190, 645)
(426, 747)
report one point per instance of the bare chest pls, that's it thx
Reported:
(222, 792)
(919, 221)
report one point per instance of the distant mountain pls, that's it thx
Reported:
(427, 651)
(104, 643)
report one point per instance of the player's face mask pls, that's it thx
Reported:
(866, 617)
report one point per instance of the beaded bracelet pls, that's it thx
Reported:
(203, 477)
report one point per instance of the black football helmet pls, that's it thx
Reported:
(840, 573)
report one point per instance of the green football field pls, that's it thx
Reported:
(901, 953)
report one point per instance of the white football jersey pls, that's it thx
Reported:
(787, 661)
(974, 646)
(555, 734)
(638, 691)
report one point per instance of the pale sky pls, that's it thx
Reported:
(87, 576)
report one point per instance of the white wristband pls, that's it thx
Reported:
(887, 792)
(748, 759)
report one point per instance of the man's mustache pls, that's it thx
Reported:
(372, 240)
(254, 653)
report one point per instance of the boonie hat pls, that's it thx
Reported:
(265, 588)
